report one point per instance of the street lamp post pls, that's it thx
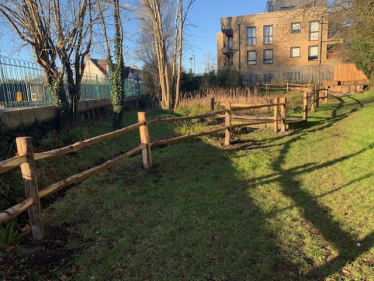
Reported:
(194, 64)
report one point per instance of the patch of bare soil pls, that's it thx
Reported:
(36, 260)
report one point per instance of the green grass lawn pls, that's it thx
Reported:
(288, 206)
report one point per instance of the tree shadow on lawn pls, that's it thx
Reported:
(319, 215)
(312, 210)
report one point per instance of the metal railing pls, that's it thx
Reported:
(22, 84)
(94, 87)
(133, 87)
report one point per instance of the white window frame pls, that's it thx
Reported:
(268, 38)
(313, 57)
(295, 27)
(314, 27)
(251, 40)
(292, 55)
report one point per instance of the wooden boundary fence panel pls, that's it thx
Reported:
(348, 72)
(27, 158)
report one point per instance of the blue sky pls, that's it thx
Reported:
(205, 16)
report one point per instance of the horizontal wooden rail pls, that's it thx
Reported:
(246, 117)
(177, 119)
(270, 88)
(15, 210)
(172, 140)
(11, 163)
(298, 85)
(81, 144)
(238, 106)
(256, 123)
(78, 177)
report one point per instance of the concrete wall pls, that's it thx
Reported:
(12, 118)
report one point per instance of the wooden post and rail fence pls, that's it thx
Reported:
(26, 157)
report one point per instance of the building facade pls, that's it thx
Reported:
(286, 43)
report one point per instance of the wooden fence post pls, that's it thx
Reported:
(287, 87)
(317, 97)
(326, 95)
(30, 181)
(228, 124)
(305, 106)
(145, 139)
(283, 113)
(212, 100)
(276, 110)
(312, 108)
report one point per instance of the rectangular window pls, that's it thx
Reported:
(251, 58)
(313, 53)
(268, 56)
(251, 36)
(313, 31)
(268, 34)
(295, 27)
(287, 8)
(230, 42)
(295, 52)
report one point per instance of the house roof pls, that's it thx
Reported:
(136, 73)
(101, 63)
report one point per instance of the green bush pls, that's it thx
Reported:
(188, 128)
(8, 233)
(195, 108)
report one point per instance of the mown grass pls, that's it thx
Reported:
(273, 207)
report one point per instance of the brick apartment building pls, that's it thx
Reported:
(289, 42)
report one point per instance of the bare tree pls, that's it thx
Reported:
(117, 68)
(60, 34)
(167, 39)
(182, 12)
(145, 52)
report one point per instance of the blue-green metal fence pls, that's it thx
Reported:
(134, 87)
(94, 87)
(22, 84)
